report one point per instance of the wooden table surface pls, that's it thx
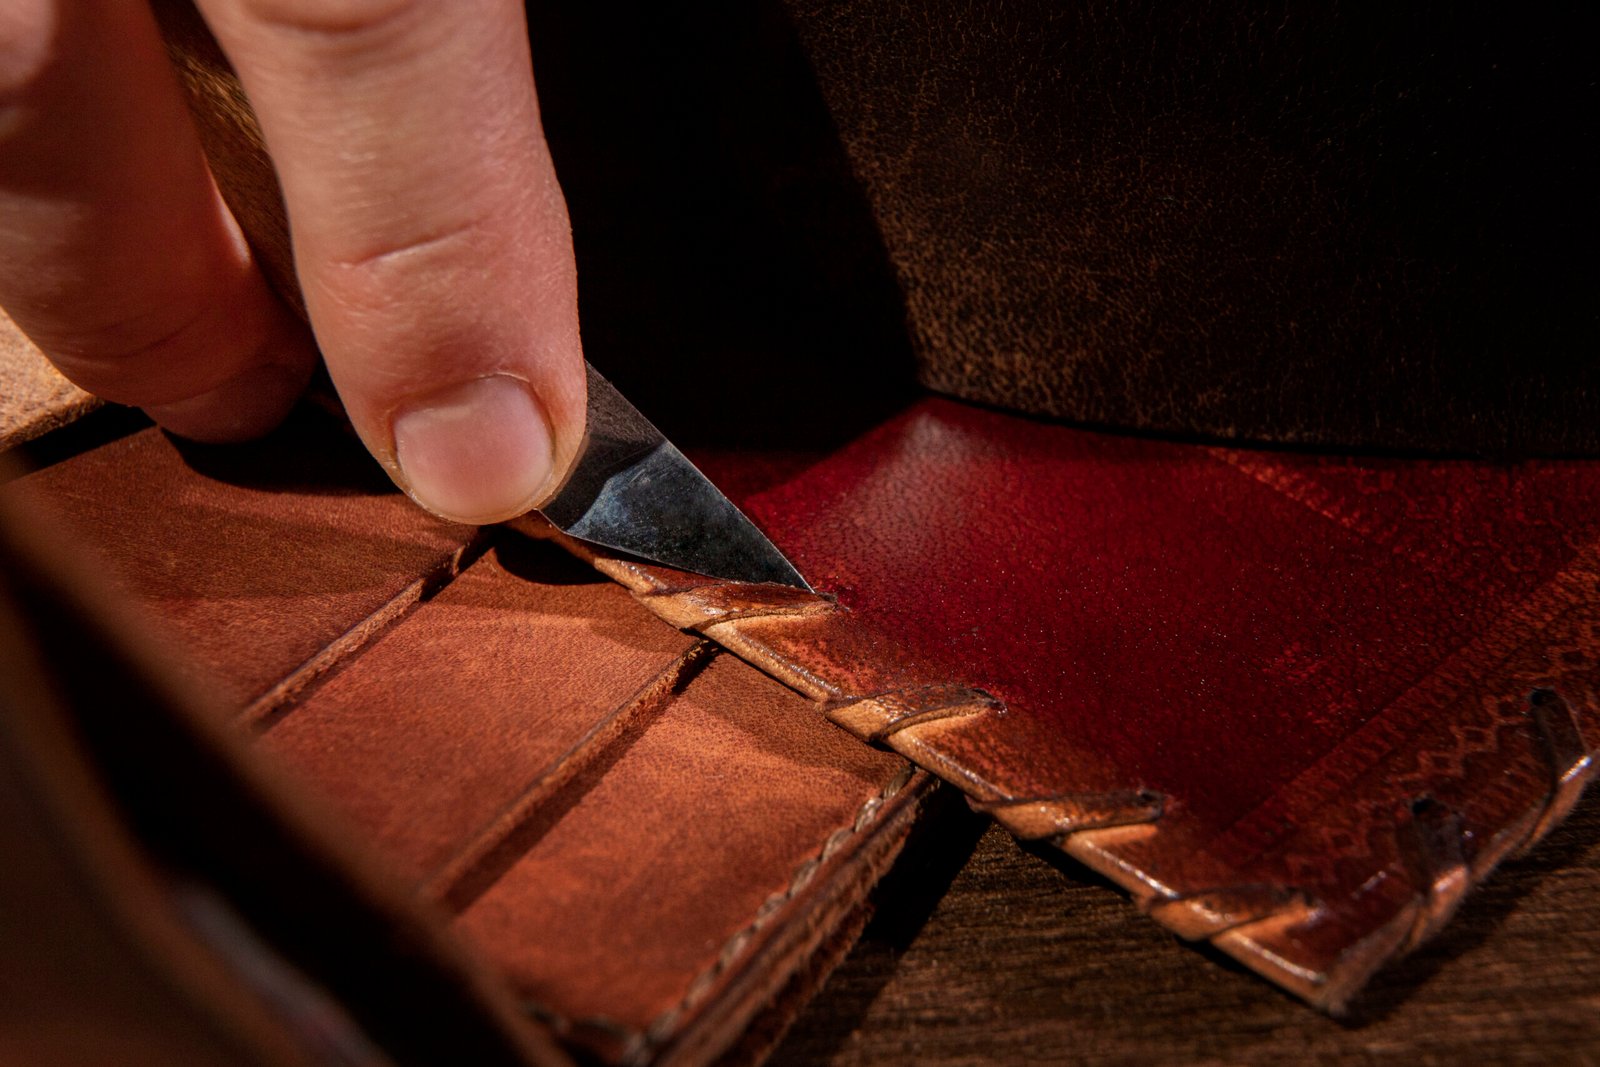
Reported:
(982, 951)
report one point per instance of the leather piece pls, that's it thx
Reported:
(34, 397)
(68, 956)
(1349, 226)
(755, 801)
(1295, 704)
(647, 851)
(260, 559)
(931, 708)
(171, 900)
(476, 698)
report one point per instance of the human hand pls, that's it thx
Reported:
(431, 239)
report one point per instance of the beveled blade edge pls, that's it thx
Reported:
(632, 490)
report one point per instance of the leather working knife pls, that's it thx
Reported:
(632, 490)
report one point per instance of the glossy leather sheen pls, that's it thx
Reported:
(1296, 705)
(647, 840)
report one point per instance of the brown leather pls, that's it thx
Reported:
(1354, 225)
(1296, 705)
(650, 843)
(34, 398)
(1349, 225)
(165, 899)
(313, 529)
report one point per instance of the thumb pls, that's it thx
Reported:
(431, 238)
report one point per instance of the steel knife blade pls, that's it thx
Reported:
(632, 490)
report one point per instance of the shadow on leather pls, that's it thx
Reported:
(311, 453)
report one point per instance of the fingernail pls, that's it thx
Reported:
(244, 407)
(476, 452)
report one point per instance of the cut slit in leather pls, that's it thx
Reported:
(195, 908)
(647, 840)
(1451, 781)
(36, 398)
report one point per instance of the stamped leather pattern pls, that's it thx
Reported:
(1296, 705)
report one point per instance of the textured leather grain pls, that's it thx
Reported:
(1350, 225)
(1296, 705)
(649, 843)
(166, 898)
(34, 398)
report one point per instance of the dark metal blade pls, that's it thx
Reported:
(632, 490)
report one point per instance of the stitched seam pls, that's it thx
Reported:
(641, 1043)
(1141, 807)
(940, 765)
(735, 945)
(964, 702)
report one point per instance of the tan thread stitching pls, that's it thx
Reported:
(912, 706)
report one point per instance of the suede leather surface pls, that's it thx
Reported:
(1296, 704)
(168, 899)
(34, 398)
(649, 843)
(737, 781)
(490, 682)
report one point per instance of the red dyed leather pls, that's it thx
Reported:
(1136, 590)
(1296, 704)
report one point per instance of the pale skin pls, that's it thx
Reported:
(431, 239)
